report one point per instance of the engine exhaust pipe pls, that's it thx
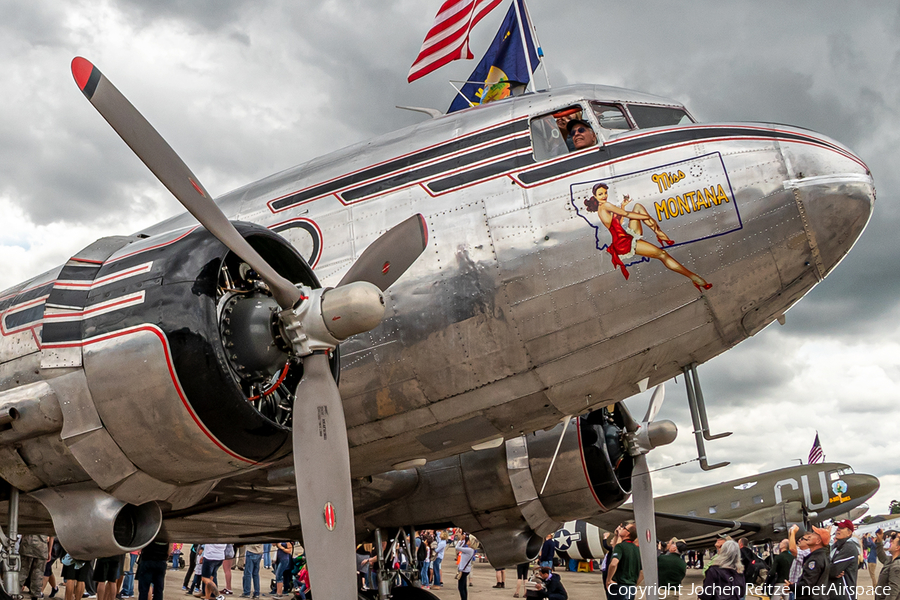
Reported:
(90, 523)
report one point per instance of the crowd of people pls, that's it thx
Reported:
(806, 565)
(114, 577)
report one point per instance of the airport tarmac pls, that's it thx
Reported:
(580, 586)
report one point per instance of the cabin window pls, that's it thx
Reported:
(658, 116)
(549, 137)
(713, 510)
(692, 513)
(757, 499)
(736, 504)
(611, 116)
(833, 475)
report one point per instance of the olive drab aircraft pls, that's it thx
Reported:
(324, 332)
(760, 507)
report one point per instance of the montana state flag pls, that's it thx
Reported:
(503, 66)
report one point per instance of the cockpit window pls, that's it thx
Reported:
(550, 133)
(610, 116)
(657, 116)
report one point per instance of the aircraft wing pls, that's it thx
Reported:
(697, 532)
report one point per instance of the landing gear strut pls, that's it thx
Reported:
(9, 559)
(698, 416)
(397, 584)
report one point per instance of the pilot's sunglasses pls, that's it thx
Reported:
(579, 130)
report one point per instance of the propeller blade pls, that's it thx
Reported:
(168, 167)
(388, 257)
(659, 395)
(322, 471)
(645, 522)
(630, 424)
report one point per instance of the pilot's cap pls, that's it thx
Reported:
(575, 122)
(845, 524)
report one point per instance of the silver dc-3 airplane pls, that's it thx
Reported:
(468, 280)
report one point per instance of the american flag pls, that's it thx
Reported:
(815, 453)
(448, 38)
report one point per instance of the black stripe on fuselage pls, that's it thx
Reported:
(23, 317)
(403, 163)
(457, 162)
(78, 272)
(626, 147)
(61, 331)
(483, 172)
(37, 292)
(70, 298)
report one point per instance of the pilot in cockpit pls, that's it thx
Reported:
(582, 134)
(562, 119)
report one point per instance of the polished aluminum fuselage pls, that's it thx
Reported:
(515, 315)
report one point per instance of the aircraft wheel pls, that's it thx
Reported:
(411, 593)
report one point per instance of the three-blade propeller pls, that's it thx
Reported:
(312, 321)
(642, 438)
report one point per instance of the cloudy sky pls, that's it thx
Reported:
(242, 89)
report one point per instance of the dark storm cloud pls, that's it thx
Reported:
(208, 15)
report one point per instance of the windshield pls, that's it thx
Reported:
(657, 116)
(610, 116)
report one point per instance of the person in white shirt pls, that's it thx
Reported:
(213, 557)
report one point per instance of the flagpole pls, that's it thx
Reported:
(537, 42)
(525, 46)
(820, 446)
(459, 93)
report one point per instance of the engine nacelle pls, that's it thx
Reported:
(91, 523)
(499, 494)
(134, 336)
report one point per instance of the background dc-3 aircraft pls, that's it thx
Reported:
(488, 283)
(760, 507)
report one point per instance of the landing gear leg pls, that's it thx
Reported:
(9, 559)
(399, 584)
(384, 580)
(698, 417)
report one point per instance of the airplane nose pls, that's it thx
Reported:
(862, 486)
(835, 194)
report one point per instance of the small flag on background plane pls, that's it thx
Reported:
(504, 65)
(448, 38)
(815, 453)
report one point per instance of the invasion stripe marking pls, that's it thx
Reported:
(619, 149)
(398, 164)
